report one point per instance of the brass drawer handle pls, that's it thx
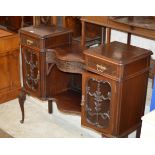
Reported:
(29, 42)
(100, 68)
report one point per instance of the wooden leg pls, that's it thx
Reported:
(129, 39)
(21, 99)
(103, 136)
(83, 40)
(103, 36)
(138, 132)
(108, 35)
(126, 136)
(50, 107)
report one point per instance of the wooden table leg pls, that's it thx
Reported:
(103, 36)
(21, 99)
(83, 39)
(138, 132)
(129, 39)
(108, 35)
(50, 107)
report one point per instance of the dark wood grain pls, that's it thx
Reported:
(9, 66)
(128, 82)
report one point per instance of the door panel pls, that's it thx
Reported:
(4, 73)
(97, 102)
(31, 74)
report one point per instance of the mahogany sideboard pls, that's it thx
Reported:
(9, 66)
(106, 85)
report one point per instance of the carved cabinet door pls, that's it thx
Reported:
(98, 95)
(31, 73)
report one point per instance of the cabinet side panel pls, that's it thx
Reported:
(133, 102)
(4, 73)
(57, 81)
(14, 69)
(10, 77)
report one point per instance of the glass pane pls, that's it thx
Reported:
(98, 102)
(31, 69)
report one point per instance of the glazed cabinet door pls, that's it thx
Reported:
(98, 95)
(31, 71)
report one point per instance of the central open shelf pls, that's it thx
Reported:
(66, 90)
(69, 101)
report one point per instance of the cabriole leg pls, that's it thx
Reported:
(21, 99)
(50, 107)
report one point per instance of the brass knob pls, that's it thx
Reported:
(29, 42)
(100, 68)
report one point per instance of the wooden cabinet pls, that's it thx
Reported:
(9, 66)
(34, 42)
(36, 64)
(114, 88)
(14, 23)
(111, 91)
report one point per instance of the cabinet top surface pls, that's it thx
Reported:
(117, 52)
(146, 22)
(44, 31)
(4, 33)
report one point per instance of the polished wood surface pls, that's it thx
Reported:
(117, 73)
(9, 66)
(118, 53)
(69, 102)
(142, 26)
(56, 68)
(68, 57)
(44, 50)
(14, 23)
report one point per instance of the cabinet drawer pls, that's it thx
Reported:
(29, 41)
(101, 67)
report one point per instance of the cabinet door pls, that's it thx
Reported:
(31, 73)
(5, 74)
(9, 75)
(98, 94)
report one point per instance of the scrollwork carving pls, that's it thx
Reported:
(98, 102)
(32, 71)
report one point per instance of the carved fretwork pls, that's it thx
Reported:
(98, 98)
(32, 69)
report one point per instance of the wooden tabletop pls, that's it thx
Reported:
(4, 33)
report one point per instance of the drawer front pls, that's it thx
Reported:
(29, 41)
(101, 67)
